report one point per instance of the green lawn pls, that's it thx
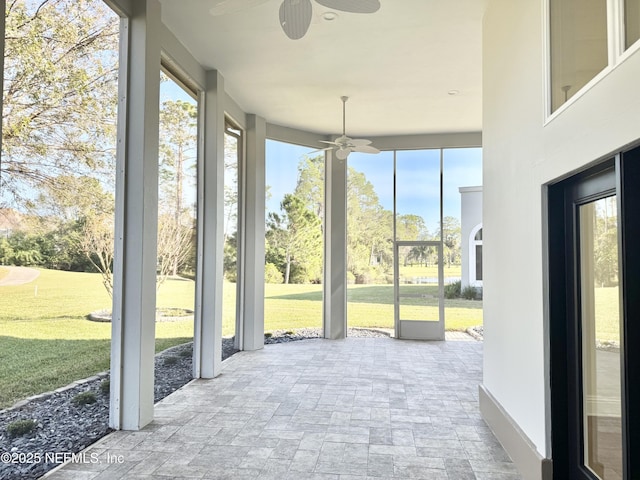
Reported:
(372, 305)
(431, 271)
(47, 342)
(293, 306)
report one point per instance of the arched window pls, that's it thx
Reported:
(475, 256)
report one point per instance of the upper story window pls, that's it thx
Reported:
(585, 39)
(579, 48)
(631, 22)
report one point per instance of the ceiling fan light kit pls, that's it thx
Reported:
(344, 145)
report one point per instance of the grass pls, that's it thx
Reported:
(295, 306)
(46, 341)
(372, 305)
(431, 271)
(607, 309)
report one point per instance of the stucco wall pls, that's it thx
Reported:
(470, 217)
(522, 151)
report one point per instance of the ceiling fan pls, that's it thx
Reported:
(295, 15)
(345, 145)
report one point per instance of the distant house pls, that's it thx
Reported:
(471, 233)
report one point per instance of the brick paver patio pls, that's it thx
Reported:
(360, 408)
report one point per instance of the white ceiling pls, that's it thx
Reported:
(397, 65)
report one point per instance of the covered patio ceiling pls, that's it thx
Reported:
(413, 67)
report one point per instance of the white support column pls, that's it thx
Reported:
(335, 248)
(208, 328)
(134, 292)
(252, 279)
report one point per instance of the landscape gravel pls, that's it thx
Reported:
(63, 428)
(476, 332)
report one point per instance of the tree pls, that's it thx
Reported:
(297, 236)
(230, 184)
(174, 246)
(294, 235)
(60, 93)
(97, 243)
(230, 258)
(231, 139)
(421, 254)
(451, 238)
(411, 227)
(605, 240)
(81, 212)
(310, 184)
(369, 230)
(6, 252)
(73, 197)
(22, 249)
(178, 135)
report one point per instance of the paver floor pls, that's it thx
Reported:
(360, 408)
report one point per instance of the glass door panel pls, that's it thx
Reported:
(600, 342)
(418, 252)
(419, 305)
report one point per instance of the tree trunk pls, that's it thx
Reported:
(287, 269)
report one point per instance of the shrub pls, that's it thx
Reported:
(105, 387)
(21, 427)
(351, 278)
(268, 335)
(469, 293)
(272, 274)
(289, 332)
(452, 290)
(84, 398)
(170, 360)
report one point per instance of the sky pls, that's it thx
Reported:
(417, 171)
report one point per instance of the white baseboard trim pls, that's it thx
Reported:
(525, 456)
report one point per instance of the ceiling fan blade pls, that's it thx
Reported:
(342, 153)
(359, 142)
(224, 7)
(352, 6)
(320, 150)
(366, 149)
(330, 143)
(295, 18)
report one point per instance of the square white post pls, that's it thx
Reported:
(252, 278)
(335, 248)
(208, 318)
(134, 292)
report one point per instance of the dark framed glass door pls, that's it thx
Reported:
(593, 276)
